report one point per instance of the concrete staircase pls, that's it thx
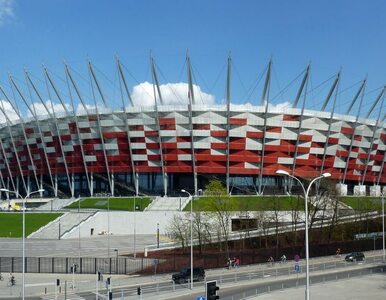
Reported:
(56, 204)
(60, 226)
(168, 204)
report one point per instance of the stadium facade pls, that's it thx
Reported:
(165, 148)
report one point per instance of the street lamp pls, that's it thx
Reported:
(23, 238)
(383, 226)
(116, 260)
(383, 223)
(324, 175)
(191, 238)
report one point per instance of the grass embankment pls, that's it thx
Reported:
(125, 204)
(247, 203)
(11, 223)
(363, 203)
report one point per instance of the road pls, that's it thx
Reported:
(254, 289)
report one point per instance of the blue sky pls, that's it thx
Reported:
(329, 34)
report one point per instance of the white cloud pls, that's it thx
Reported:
(80, 110)
(172, 93)
(280, 106)
(277, 107)
(6, 10)
(7, 107)
(41, 110)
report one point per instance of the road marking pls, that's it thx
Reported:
(39, 284)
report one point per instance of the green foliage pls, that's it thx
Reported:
(125, 204)
(363, 203)
(249, 203)
(11, 223)
(215, 188)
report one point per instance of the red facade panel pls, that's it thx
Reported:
(218, 133)
(237, 121)
(347, 130)
(255, 135)
(167, 121)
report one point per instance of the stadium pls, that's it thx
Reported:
(162, 148)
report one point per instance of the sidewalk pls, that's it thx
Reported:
(40, 284)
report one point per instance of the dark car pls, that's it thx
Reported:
(355, 256)
(184, 275)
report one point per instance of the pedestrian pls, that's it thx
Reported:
(237, 262)
(229, 263)
(234, 262)
(270, 261)
(283, 258)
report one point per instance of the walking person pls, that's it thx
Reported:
(270, 261)
(12, 280)
(283, 258)
(337, 252)
(237, 262)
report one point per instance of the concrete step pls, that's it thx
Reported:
(168, 204)
(56, 204)
(61, 225)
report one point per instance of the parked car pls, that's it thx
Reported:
(184, 275)
(355, 256)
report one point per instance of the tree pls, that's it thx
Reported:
(275, 206)
(201, 229)
(178, 230)
(263, 223)
(295, 209)
(222, 206)
(246, 222)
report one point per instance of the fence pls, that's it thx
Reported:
(169, 261)
(83, 265)
(174, 260)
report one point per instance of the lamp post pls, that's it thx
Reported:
(134, 229)
(191, 238)
(157, 235)
(79, 221)
(108, 225)
(324, 175)
(116, 261)
(383, 226)
(23, 238)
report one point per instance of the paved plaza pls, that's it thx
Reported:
(98, 246)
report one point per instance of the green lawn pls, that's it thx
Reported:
(248, 203)
(11, 223)
(362, 203)
(126, 204)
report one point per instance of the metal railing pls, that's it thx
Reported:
(85, 265)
